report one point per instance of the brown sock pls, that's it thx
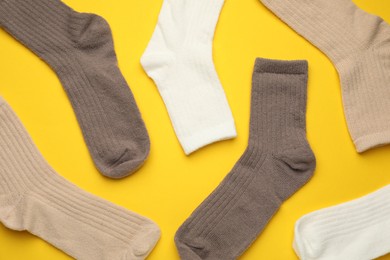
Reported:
(277, 162)
(79, 48)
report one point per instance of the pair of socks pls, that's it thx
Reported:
(358, 44)
(79, 48)
(33, 197)
(277, 162)
(358, 230)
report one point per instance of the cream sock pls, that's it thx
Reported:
(358, 44)
(179, 59)
(35, 198)
(356, 230)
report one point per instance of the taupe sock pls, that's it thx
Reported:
(358, 44)
(79, 48)
(33, 197)
(276, 163)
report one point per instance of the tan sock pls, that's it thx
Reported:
(358, 44)
(35, 198)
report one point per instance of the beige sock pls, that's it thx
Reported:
(35, 198)
(358, 44)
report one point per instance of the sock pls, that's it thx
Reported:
(179, 60)
(79, 48)
(358, 230)
(35, 198)
(276, 163)
(359, 46)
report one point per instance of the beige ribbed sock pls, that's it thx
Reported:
(358, 44)
(35, 198)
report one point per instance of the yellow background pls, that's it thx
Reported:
(170, 185)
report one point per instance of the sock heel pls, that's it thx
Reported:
(295, 167)
(89, 30)
(299, 159)
(145, 243)
(155, 64)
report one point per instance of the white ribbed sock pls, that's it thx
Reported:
(356, 230)
(358, 44)
(179, 60)
(35, 198)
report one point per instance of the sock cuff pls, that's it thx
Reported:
(281, 66)
(224, 131)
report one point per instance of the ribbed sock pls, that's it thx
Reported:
(358, 230)
(359, 46)
(276, 163)
(79, 48)
(179, 60)
(35, 198)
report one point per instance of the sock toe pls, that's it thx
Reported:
(127, 163)
(185, 251)
(146, 242)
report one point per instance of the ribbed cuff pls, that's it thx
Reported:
(221, 132)
(368, 142)
(281, 66)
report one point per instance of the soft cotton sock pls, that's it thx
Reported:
(79, 48)
(356, 230)
(179, 60)
(358, 44)
(276, 163)
(33, 197)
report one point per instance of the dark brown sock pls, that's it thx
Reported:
(79, 48)
(277, 162)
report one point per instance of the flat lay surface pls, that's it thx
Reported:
(170, 185)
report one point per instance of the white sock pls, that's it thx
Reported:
(33, 197)
(356, 230)
(179, 60)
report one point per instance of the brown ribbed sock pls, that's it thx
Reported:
(358, 44)
(33, 197)
(277, 162)
(79, 48)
